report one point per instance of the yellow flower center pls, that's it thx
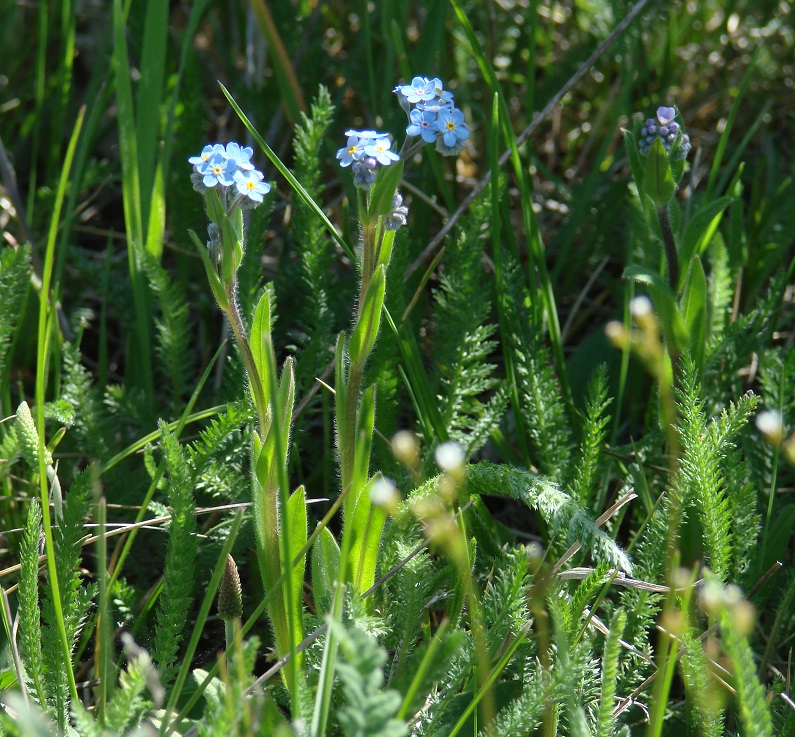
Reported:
(251, 184)
(450, 125)
(351, 150)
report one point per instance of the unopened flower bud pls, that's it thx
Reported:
(406, 448)
(450, 457)
(384, 494)
(770, 425)
(230, 592)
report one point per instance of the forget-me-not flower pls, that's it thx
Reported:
(451, 127)
(353, 150)
(224, 166)
(207, 151)
(240, 155)
(381, 150)
(665, 114)
(421, 89)
(666, 129)
(421, 123)
(217, 170)
(250, 185)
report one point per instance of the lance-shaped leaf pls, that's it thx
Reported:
(659, 180)
(365, 421)
(694, 308)
(673, 326)
(216, 286)
(325, 567)
(701, 228)
(368, 523)
(383, 190)
(366, 330)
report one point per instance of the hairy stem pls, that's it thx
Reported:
(670, 247)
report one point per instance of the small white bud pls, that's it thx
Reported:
(406, 448)
(450, 457)
(384, 494)
(640, 307)
(770, 425)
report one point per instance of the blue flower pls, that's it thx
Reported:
(353, 151)
(421, 123)
(665, 114)
(251, 185)
(207, 151)
(445, 97)
(667, 130)
(240, 155)
(380, 149)
(421, 89)
(364, 134)
(450, 127)
(217, 170)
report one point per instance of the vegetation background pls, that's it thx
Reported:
(495, 338)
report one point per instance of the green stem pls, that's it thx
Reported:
(670, 247)
(231, 625)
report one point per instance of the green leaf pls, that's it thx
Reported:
(296, 521)
(364, 439)
(659, 180)
(702, 227)
(383, 190)
(260, 339)
(325, 566)
(212, 275)
(385, 248)
(366, 330)
(673, 326)
(232, 245)
(694, 306)
(368, 523)
(635, 161)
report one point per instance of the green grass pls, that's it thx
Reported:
(603, 561)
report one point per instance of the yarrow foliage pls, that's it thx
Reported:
(666, 129)
(229, 168)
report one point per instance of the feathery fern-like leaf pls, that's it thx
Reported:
(702, 694)
(369, 710)
(463, 338)
(15, 268)
(754, 713)
(701, 479)
(606, 722)
(178, 578)
(558, 509)
(172, 330)
(540, 396)
(76, 599)
(29, 611)
(584, 481)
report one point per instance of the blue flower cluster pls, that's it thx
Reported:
(230, 168)
(364, 152)
(434, 117)
(666, 129)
